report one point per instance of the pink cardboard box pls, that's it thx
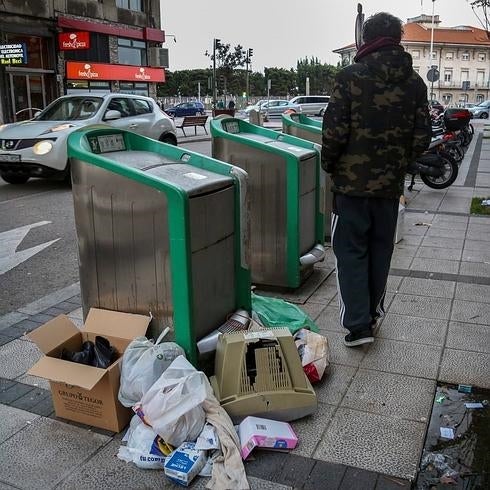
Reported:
(271, 434)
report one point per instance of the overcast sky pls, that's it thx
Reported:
(282, 31)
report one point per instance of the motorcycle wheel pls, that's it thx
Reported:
(447, 178)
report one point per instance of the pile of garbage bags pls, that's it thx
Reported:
(179, 425)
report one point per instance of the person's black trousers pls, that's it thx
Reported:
(363, 232)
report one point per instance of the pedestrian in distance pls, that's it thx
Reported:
(376, 122)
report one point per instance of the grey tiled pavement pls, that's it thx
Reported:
(375, 402)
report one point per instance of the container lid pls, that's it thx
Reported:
(297, 151)
(141, 160)
(53, 333)
(192, 180)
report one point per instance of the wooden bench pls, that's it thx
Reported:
(195, 121)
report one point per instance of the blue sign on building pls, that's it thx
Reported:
(13, 54)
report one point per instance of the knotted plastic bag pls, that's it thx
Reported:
(143, 363)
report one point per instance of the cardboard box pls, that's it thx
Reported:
(400, 224)
(271, 434)
(185, 463)
(83, 393)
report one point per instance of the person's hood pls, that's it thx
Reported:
(391, 64)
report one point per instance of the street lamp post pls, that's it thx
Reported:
(248, 60)
(216, 43)
(431, 50)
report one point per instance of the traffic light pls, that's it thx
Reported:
(250, 52)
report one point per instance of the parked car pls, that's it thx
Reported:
(186, 109)
(434, 104)
(273, 108)
(311, 105)
(37, 148)
(482, 110)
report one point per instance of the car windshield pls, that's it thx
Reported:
(71, 109)
(483, 104)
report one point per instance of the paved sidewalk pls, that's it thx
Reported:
(374, 405)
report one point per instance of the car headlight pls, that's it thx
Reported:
(2, 126)
(42, 147)
(60, 127)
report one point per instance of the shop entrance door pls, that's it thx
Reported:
(28, 94)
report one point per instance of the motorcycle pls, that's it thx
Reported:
(437, 168)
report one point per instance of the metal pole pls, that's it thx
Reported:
(214, 75)
(431, 49)
(246, 81)
(199, 91)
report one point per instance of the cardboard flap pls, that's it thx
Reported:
(116, 324)
(67, 372)
(53, 333)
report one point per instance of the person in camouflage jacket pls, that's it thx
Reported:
(376, 123)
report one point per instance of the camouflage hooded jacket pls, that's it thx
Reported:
(376, 122)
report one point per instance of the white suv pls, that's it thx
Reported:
(37, 148)
(311, 104)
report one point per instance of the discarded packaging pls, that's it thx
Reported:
(474, 405)
(208, 439)
(465, 388)
(185, 463)
(485, 202)
(143, 447)
(423, 224)
(447, 432)
(440, 398)
(172, 406)
(313, 352)
(83, 393)
(264, 433)
(142, 364)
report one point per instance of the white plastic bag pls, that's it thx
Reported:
(142, 447)
(143, 363)
(172, 406)
(313, 351)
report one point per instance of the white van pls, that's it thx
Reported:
(311, 104)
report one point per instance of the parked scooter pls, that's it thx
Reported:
(436, 167)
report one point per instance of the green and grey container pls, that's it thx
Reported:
(286, 214)
(160, 230)
(311, 129)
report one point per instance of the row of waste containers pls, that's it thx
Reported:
(183, 236)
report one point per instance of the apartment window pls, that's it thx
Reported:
(434, 55)
(465, 75)
(416, 54)
(480, 77)
(449, 55)
(479, 98)
(447, 98)
(130, 4)
(448, 75)
(465, 56)
(482, 56)
(131, 52)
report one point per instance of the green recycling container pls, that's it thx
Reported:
(311, 129)
(286, 197)
(160, 230)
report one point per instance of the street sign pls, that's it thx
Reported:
(13, 54)
(433, 75)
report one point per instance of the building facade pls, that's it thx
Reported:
(461, 55)
(53, 47)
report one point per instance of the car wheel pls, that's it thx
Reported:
(168, 138)
(14, 179)
(484, 115)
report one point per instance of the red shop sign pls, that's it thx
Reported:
(73, 40)
(103, 71)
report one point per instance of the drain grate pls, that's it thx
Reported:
(457, 447)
